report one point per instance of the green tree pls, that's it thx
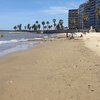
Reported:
(37, 22)
(15, 27)
(61, 24)
(47, 24)
(84, 19)
(43, 23)
(29, 27)
(54, 23)
(45, 27)
(33, 26)
(97, 12)
(25, 27)
(18, 27)
(50, 26)
(58, 27)
(39, 26)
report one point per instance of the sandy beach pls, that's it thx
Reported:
(61, 69)
(92, 41)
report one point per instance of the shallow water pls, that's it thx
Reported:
(13, 42)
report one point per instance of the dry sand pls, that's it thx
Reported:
(92, 41)
(57, 70)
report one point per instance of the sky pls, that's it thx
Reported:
(14, 12)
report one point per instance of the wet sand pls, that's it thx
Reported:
(56, 70)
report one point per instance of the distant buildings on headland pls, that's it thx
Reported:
(85, 16)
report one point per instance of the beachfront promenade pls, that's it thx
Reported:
(61, 69)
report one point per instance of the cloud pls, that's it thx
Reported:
(56, 10)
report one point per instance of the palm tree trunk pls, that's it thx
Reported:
(43, 27)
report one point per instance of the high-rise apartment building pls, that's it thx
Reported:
(83, 9)
(92, 15)
(89, 8)
(73, 19)
(97, 19)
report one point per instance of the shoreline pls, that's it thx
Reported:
(24, 44)
(19, 43)
(91, 41)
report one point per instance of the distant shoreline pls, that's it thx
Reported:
(16, 31)
(38, 32)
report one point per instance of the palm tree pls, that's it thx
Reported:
(28, 27)
(33, 26)
(97, 11)
(84, 19)
(50, 26)
(61, 24)
(37, 22)
(19, 26)
(54, 21)
(58, 27)
(43, 23)
(45, 27)
(15, 27)
(25, 27)
(39, 26)
(47, 24)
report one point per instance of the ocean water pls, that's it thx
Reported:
(13, 42)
